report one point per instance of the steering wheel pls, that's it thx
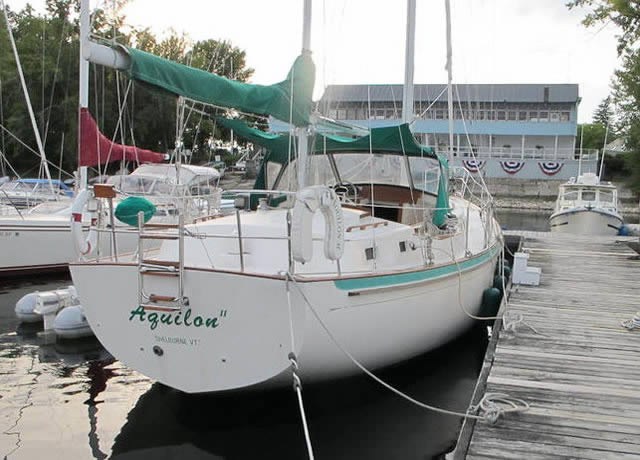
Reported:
(346, 190)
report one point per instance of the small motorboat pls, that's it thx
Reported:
(587, 206)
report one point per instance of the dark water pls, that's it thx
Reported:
(74, 401)
(514, 219)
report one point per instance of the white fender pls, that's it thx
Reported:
(83, 246)
(308, 201)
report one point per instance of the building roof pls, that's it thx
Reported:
(468, 93)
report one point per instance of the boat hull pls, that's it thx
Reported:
(240, 337)
(45, 244)
(584, 221)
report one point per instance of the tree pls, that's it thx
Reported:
(626, 83)
(48, 48)
(623, 13)
(603, 114)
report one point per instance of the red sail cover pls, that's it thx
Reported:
(96, 149)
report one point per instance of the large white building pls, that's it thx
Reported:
(495, 122)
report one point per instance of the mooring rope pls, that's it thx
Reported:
(297, 383)
(489, 403)
(633, 323)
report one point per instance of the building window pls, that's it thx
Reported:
(554, 116)
(342, 114)
(522, 115)
(513, 115)
(544, 116)
(533, 116)
(565, 116)
(333, 114)
(439, 115)
(491, 115)
(502, 116)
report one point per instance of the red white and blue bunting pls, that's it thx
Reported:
(512, 167)
(473, 166)
(550, 168)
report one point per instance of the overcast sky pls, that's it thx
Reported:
(362, 41)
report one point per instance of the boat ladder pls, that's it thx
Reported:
(162, 268)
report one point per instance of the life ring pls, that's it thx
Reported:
(84, 246)
(308, 201)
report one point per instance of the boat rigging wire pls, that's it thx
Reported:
(5, 129)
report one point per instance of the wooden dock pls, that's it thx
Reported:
(581, 373)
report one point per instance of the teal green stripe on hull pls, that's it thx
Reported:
(381, 281)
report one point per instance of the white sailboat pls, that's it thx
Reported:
(391, 266)
(587, 206)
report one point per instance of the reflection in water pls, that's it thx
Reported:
(515, 219)
(354, 418)
(73, 400)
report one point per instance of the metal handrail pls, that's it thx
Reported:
(13, 204)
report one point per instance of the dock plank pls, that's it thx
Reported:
(580, 372)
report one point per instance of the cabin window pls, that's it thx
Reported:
(369, 253)
(606, 197)
(425, 173)
(570, 196)
(588, 195)
(403, 246)
(319, 170)
(273, 169)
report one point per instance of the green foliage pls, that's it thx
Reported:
(623, 13)
(594, 134)
(603, 114)
(626, 84)
(49, 51)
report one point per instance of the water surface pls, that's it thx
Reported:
(75, 401)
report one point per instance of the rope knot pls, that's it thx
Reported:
(493, 405)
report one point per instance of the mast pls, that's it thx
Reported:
(580, 157)
(302, 131)
(604, 150)
(43, 158)
(83, 97)
(447, 8)
(407, 94)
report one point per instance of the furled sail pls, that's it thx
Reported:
(289, 100)
(96, 149)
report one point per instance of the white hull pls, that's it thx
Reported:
(584, 221)
(250, 342)
(39, 243)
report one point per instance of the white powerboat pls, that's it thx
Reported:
(587, 206)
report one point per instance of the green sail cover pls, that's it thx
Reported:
(442, 200)
(199, 85)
